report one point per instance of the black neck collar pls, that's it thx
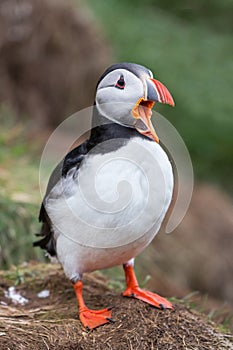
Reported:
(103, 130)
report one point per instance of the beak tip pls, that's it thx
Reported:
(172, 103)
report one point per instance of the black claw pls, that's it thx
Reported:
(88, 328)
(162, 307)
(110, 320)
(110, 308)
(132, 295)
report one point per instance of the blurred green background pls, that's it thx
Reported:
(188, 47)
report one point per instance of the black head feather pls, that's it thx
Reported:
(136, 69)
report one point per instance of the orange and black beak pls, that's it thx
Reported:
(142, 111)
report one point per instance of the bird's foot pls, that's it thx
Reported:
(148, 297)
(95, 318)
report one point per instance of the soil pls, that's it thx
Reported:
(52, 323)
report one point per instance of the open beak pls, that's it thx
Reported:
(142, 111)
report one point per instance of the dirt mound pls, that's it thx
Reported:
(51, 55)
(52, 323)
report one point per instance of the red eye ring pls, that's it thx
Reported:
(120, 84)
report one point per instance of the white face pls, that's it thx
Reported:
(116, 102)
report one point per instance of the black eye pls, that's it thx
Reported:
(120, 84)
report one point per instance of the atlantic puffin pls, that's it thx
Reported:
(106, 200)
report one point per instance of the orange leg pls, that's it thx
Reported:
(133, 290)
(91, 318)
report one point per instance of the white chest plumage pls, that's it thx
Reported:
(111, 209)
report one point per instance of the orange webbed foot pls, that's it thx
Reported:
(134, 291)
(91, 318)
(95, 318)
(148, 297)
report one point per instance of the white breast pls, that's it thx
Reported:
(114, 207)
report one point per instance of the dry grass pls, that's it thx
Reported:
(52, 323)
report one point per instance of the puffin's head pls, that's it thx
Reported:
(126, 93)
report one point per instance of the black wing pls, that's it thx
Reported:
(71, 160)
(47, 242)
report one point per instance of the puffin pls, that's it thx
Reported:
(107, 198)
